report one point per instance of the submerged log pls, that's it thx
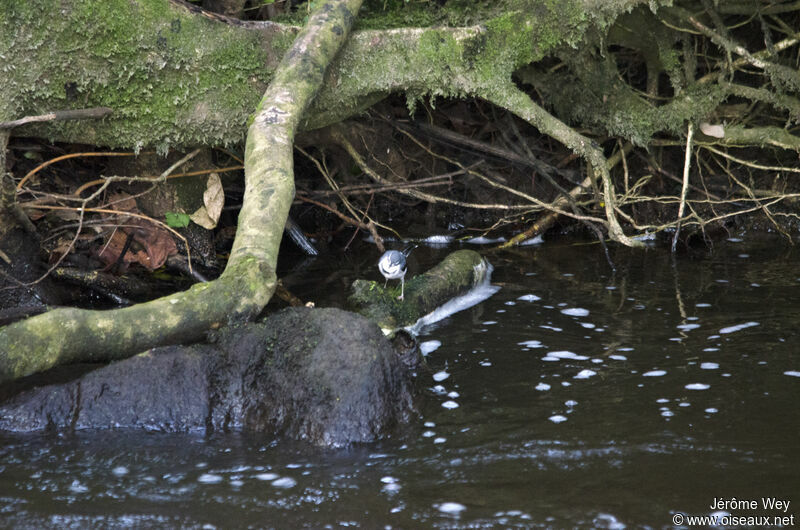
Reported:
(459, 272)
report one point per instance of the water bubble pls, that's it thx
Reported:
(738, 327)
(450, 405)
(697, 386)
(542, 387)
(440, 376)
(529, 298)
(792, 373)
(709, 366)
(267, 476)
(585, 374)
(576, 312)
(428, 346)
(209, 478)
(557, 418)
(284, 482)
(654, 373)
(451, 508)
(567, 355)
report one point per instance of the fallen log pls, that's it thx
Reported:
(455, 275)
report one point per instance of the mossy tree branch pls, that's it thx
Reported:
(246, 285)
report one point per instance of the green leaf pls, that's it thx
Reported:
(177, 219)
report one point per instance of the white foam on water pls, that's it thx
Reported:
(485, 363)
(440, 376)
(711, 410)
(687, 327)
(576, 312)
(667, 413)
(557, 418)
(570, 403)
(438, 240)
(450, 405)
(735, 239)
(606, 520)
(284, 482)
(684, 404)
(391, 488)
(531, 344)
(538, 240)
(710, 349)
(529, 298)
(453, 394)
(597, 361)
(662, 400)
(702, 304)
(654, 373)
(618, 357)
(541, 387)
(209, 478)
(738, 327)
(588, 325)
(78, 487)
(267, 476)
(585, 374)
(792, 373)
(429, 424)
(428, 434)
(566, 383)
(452, 508)
(429, 346)
(490, 322)
(120, 471)
(697, 386)
(567, 355)
(626, 348)
(551, 328)
(481, 240)
(709, 366)
(439, 440)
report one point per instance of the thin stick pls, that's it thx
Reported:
(685, 189)
(80, 114)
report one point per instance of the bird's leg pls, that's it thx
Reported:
(385, 281)
(402, 287)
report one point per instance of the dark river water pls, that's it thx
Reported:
(573, 397)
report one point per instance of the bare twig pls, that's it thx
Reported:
(80, 114)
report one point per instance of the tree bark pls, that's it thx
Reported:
(246, 285)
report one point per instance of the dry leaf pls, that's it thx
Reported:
(715, 131)
(207, 215)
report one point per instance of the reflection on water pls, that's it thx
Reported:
(573, 396)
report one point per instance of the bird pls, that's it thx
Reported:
(393, 266)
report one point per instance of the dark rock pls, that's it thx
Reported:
(322, 375)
